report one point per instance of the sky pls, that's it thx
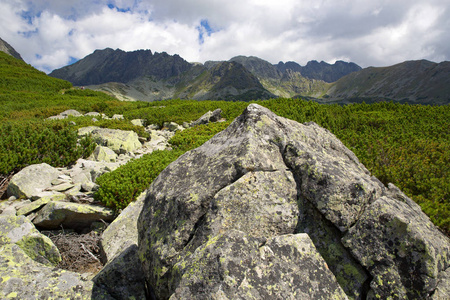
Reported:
(50, 34)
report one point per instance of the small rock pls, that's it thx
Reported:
(71, 112)
(92, 114)
(61, 187)
(138, 122)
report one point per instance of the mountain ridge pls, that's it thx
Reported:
(418, 81)
(143, 75)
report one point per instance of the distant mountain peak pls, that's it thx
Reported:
(110, 65)
(321, 70)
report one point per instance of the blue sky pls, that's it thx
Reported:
(50, 34)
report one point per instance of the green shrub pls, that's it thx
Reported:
(120, 187)
(27, 143)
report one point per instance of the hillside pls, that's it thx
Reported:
(419, 81)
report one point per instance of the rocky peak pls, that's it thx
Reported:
(110, 65)
(7, 48)
(259, 67)
(321, 71)
(270, 208)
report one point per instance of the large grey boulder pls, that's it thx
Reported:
(32, 180)
(267, 186)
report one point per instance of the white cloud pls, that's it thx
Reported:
(48, 33)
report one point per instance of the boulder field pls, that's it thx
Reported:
(266, 209)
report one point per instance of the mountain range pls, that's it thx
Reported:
(144, 75)
(147, 76)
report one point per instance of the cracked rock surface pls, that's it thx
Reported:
(273, 209)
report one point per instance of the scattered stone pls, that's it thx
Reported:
(35, 205)
(210, 116)
(138, 122)
(153, 127)
(71, 215)
(119, 141)
(172, 126)
(92, 114)
(32, 180)
(64, 186)
(117, 117)
(71, 112)
(89, 187)
(102, 153)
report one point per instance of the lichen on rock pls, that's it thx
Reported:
(258, 188)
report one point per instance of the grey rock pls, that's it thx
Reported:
(266, 178)
(122, 233)
(71, 215)
(92, 114)
(89, 187)
(443, 286)
(117, 117)
(104, 154)
(138, 122)
(236, 266)
(123, 277)
(401, 248)
(210, 116)
(120, 141)
(57, 117)
(172, 126)
(32, 180)
(20, 231)
(64, 186)
(71, 112)
(23, 278)
(153, 127)
(35, 205)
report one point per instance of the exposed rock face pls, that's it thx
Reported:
(258, 210)
(7, 48)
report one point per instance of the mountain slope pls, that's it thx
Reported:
(282, 83)
(8, 49)
(226, 81)
(418, 81)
